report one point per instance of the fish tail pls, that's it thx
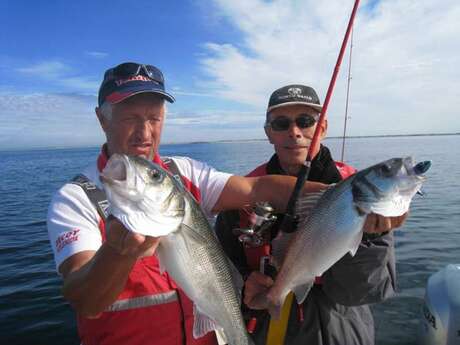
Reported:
(275, 304)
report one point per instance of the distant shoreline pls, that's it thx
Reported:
(395, 135)
(335, 137)
(231, 141)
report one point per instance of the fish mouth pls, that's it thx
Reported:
(413, 172)
(115, 170)
(416, 170)
(118, 174)
(422, 167)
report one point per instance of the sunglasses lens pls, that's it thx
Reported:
(131, 69)
(280, 124)
(126, 69)
(283, 123)
(154, 73)
(305, 121)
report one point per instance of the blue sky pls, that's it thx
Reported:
(222, 59)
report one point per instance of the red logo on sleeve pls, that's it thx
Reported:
(66, 238)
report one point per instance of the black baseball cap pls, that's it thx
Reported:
(292, 95)
(129, 79)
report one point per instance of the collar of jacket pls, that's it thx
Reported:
(323, 168)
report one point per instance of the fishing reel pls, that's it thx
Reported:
(261, 219)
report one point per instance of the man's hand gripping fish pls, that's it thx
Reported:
(149, 200)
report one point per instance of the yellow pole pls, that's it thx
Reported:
(277, 328)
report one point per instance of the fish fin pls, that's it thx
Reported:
(280, 245)
(301, 291)
(305, 203)
(355, 242)
(221, 337)
(202, 324)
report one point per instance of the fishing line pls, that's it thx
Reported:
(289, 221)
(347, 99)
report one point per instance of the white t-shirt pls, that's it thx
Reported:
(73, 221)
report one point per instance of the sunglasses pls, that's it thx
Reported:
(131, 69)
(282, 123)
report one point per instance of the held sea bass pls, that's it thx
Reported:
(149, 200)
(331, 225)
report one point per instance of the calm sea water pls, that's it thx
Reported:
(32, 310)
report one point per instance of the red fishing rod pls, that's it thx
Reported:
(289, 221)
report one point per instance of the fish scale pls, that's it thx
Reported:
(188, 249)
(332, 222)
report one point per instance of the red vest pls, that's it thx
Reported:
(150, 310)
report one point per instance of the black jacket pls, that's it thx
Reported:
(335, 312)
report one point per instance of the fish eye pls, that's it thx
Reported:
(155, 174)
(386, 169)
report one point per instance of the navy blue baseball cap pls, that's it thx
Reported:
(129, 79)
(293, 95)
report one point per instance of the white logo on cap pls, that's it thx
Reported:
(133, 78)
(294, 91)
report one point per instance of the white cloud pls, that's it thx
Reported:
(178, 91)
(48, 120)
(46, 69)
(58, 73)
(212, 118)
(81, 83)
(97, 55)
(405, 74)
(213, 125)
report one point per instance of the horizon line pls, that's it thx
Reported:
(229, 141)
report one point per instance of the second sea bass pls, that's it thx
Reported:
(149, 200)
(334, 222)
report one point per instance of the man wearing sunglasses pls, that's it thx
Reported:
(336, 310)
(110, 276)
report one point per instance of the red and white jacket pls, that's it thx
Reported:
(151, 309)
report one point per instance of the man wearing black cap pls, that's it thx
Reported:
(336, 310)
(110, 276)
